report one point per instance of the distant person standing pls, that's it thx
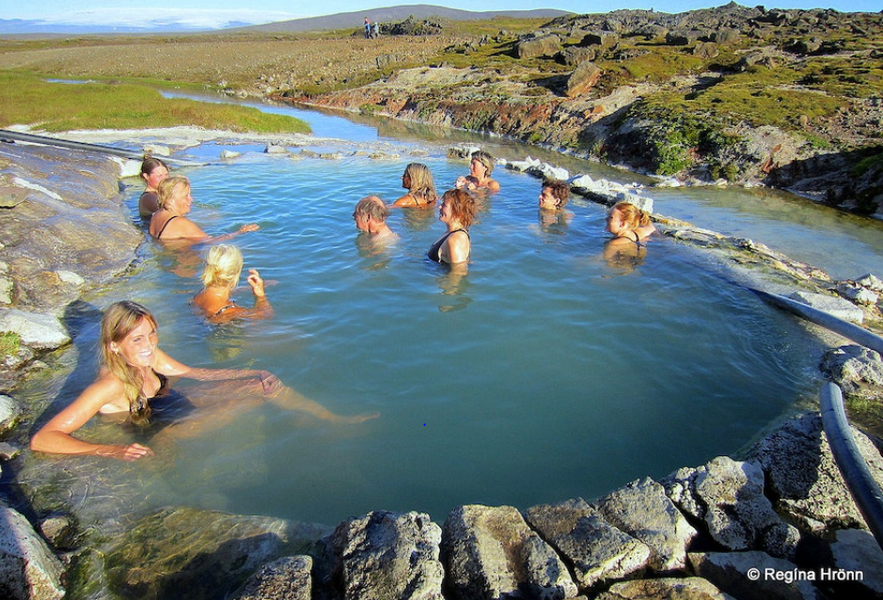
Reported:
(367, 29)
(376, 29)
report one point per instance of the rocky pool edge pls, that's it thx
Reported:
(783, 511)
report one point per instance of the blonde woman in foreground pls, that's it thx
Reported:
(133, 386)
(223, 267)
(170, 222)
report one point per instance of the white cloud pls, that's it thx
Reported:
(180, 17)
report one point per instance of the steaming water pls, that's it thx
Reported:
(543, 374)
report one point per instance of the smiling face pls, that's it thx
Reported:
(153, 179)
(444, 211)
(181, 200)
(138, 347)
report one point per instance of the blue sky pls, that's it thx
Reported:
(214, 13)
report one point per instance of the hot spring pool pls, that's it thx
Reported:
(543, 374)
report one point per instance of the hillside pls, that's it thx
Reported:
(394, 14)
(732, 95)
(785, 98)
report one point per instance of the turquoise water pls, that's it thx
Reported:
(543, 374)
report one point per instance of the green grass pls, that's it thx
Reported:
(26, 98)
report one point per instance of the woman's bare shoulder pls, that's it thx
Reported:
(406, 200)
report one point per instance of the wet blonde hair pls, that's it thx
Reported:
(422, 183)
(169, 188)
(632, 216)
(119, 320)
(223, 266)
(486, 159)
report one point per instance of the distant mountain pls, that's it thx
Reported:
(181, 22)
(395, 14)
(39, 27)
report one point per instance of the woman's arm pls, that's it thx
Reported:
(229, 236)
(170, 367)
(55, 436)
(184, 228)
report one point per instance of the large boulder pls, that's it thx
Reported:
(28, 569)
(727, 495)
(385, 556)
(490, 552)
(546, 45)
(583, 78)
(86, 237)
(642, 510)
(803, 478)
(597, 551)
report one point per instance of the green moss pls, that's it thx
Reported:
(10, 342)
(874, 160)
(866, 414)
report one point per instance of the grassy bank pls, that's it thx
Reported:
(28, 99)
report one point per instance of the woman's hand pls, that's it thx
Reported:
(126, 453)
(249, 227)
(256, 283)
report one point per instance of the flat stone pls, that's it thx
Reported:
(492, 553)
(38, 331)
(838, 307)
(596, 550)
